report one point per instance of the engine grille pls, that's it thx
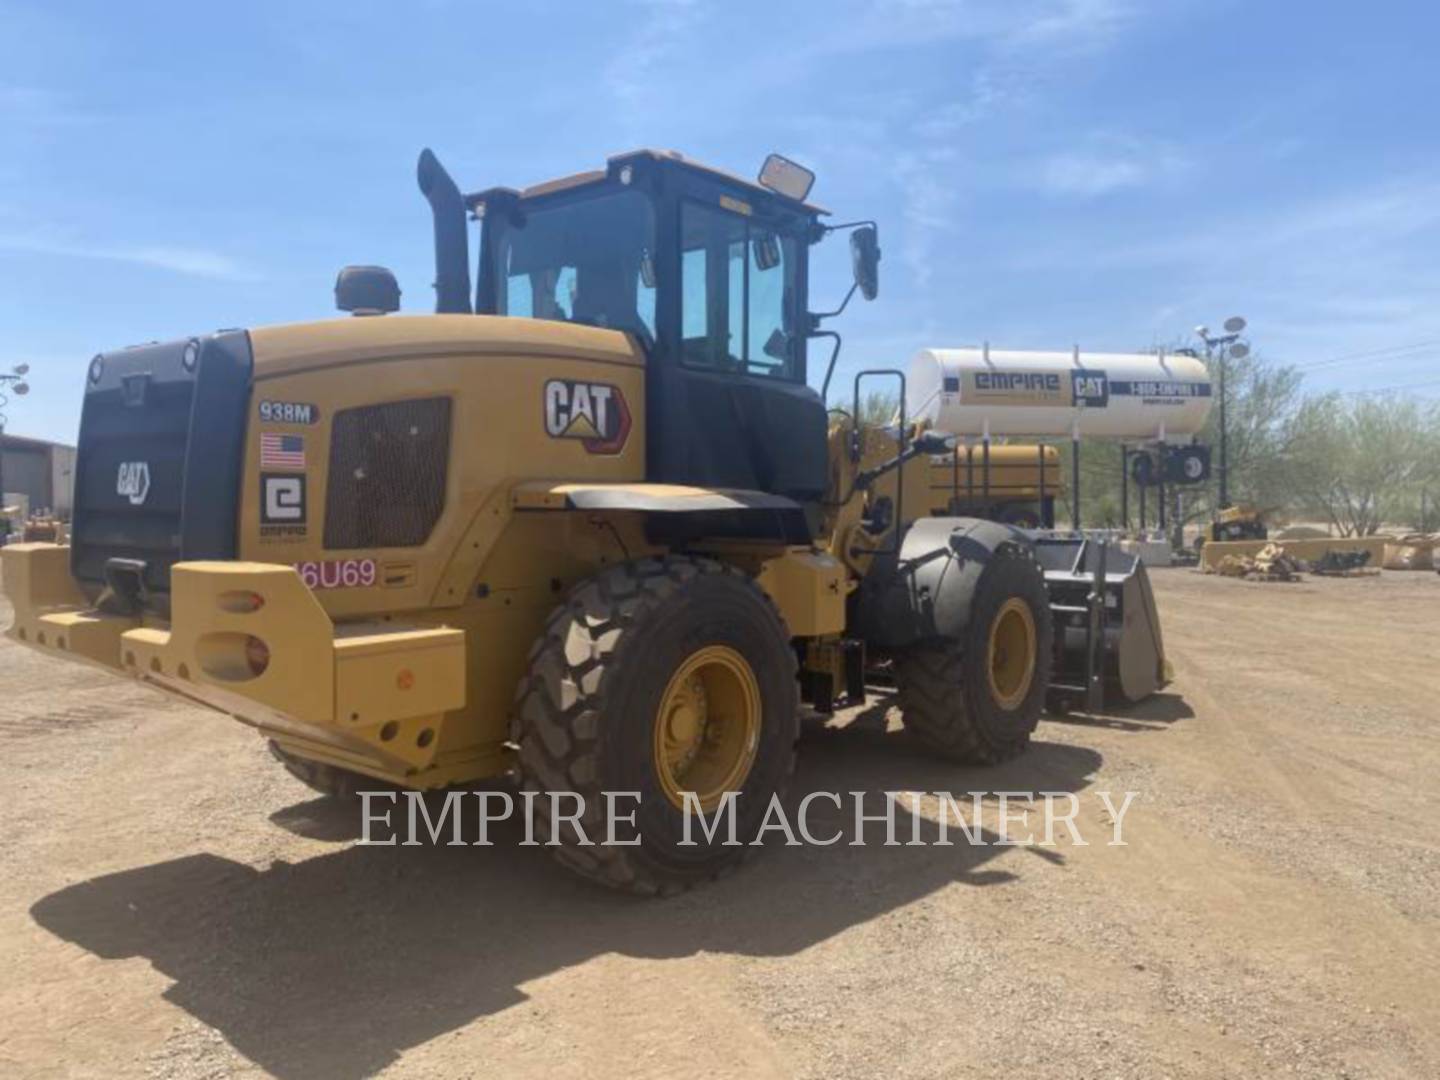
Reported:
(388, 463)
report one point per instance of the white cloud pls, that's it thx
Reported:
(928, 210)
(190, 262)
(1054, 25)
(661, 28)
(34, 110)
(1018, 45)
(1397, 209)
(1089, 174)
(1319, 277)
(180, 260)
(1111, 163)
(1078, 24)
(989, 91)
(1368, 223)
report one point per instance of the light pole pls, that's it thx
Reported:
(1218, 348)
(14, 382)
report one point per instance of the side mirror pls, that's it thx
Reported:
(367, 290)
(767, 251)
(865, 260)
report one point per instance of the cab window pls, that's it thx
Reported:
(737, 281)
(587, 262)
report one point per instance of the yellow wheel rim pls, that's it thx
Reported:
(707, 728)
(1010, 655)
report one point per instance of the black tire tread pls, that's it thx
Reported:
(938, 697)
(329, 780)
(561, 700)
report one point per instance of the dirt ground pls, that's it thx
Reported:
(173, 905)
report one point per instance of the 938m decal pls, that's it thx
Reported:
(594, 413)
(289, 412)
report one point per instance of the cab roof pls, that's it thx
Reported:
(613, 163)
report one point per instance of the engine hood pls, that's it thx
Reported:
(296, 347)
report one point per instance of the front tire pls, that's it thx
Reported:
(328, 780)
(977, 698)
(659, 676)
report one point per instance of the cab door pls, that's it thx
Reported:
(729, 403)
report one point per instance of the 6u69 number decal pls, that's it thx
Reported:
(338, 573)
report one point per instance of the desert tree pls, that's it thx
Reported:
(1360, 461)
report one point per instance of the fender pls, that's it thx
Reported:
(676, 513)
(925, 592)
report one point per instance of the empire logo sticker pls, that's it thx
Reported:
(594, 413)
(1020, 388)
(282, 506)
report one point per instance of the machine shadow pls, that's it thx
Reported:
(1155, 713)
(335, 965)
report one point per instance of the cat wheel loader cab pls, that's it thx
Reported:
(588, 522)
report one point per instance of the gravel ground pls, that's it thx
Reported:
(172, 904)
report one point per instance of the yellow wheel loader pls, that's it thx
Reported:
(1239, 523)
(588, 523)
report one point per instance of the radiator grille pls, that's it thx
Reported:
(387, 474)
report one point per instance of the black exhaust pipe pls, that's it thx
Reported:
(452, 244)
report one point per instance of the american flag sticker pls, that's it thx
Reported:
(282, 451)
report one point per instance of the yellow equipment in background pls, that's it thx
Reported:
(1239, 523)
(1015, 491)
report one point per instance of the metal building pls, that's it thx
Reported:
(36, 475)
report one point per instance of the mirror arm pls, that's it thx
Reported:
(821, 232)
(815, 318)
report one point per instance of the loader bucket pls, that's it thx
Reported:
(1112, 650)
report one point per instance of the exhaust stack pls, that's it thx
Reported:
(452, 244)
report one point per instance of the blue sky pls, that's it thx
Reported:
(1108, 172)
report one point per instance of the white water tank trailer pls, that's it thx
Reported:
(1135, 397)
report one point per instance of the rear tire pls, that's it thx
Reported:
(593, 708)
(969, 701)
